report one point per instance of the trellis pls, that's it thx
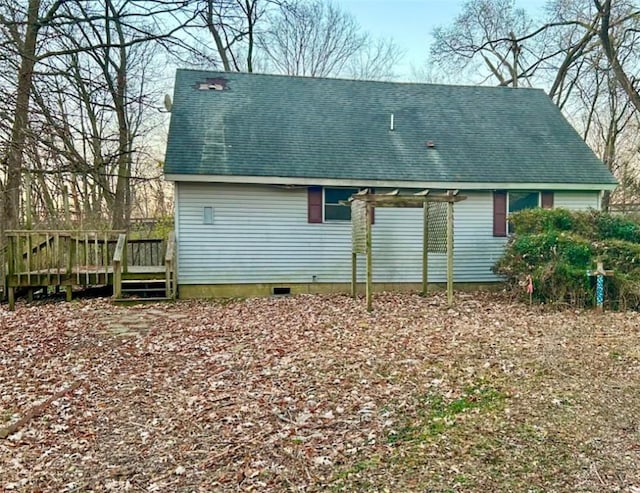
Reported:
(437, 231)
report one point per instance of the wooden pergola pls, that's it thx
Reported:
(362, 206)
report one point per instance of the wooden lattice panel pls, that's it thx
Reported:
(437, 224)
(359, 226)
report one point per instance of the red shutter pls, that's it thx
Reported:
(499, 213)
(314, 204)
(546, 200)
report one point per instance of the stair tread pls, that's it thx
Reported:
(143, 290)
(143, 281)
(142, 300)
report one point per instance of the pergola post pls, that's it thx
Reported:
(450, 253)
(425, 247)
(354, 274)
(369, 287)
(363, 203)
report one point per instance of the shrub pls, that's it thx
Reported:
(538, 220)
(557, 247)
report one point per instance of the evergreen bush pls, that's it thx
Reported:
(556, 247)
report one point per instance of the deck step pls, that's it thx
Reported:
(138, 280)
(141, 290)
(144, 290)
(140, 301)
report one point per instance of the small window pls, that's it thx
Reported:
(333, 209)
(208, 215)
(519, 201)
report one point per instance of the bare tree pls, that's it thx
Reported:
(486, 33)
(41, 41)
(585, 55)
(22, 28)
(617, 38)
(317, 38)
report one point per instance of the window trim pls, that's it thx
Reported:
(546, 200)
(509, 192)
(324, 204)
(508, 204)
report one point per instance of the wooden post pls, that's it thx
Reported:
(12, 298)
(450, 253)
(425, 247)
(65, 201)
(369, 260)
(354, 275)
(69, 292)
(27, 203)
(29, 257)
(71, 252)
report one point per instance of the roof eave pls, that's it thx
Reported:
(338, 182)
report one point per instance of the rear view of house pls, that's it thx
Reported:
(263, 163)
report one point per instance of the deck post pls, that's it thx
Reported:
(11, 291)
(119, 257)
(72, 254)
(170, 268)
(68, 292)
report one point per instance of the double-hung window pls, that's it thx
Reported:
(334, 210)
(505, 203)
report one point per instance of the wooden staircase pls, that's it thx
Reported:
(139, 269)
(143, 289)
(135, 281)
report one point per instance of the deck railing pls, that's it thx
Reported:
(170, 266)
(68, 258)
(143, 253)
(50, 255)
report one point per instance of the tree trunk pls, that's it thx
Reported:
(21, 118)
(604, 9)
(120, 207)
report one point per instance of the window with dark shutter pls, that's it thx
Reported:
(546, 200)
(314, 204)
(500, 213)
(334, 206)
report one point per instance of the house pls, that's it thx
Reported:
(262, 163)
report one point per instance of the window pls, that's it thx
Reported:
(323, 204)
(519, 201)
(505, 203)
(333, 209)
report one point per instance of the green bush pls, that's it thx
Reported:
(538, 220)
(557, 247)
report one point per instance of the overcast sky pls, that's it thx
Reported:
(410, 22)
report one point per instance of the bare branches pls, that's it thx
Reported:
(319, 39)
(584, 54)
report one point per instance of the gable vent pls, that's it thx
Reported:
(217, 84)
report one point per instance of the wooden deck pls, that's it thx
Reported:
(43, 259)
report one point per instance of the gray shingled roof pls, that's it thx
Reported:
(279, 126)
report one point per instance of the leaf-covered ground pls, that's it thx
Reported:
(312, 393)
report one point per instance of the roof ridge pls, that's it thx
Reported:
(360, 81)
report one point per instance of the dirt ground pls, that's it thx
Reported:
(312, 393)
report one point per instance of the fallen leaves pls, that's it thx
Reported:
(310, 393)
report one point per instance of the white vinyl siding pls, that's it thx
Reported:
(261, 235)
(577, 200)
